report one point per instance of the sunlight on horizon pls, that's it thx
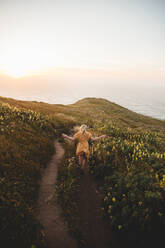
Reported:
(15, 72)
(24, 59)
(85, 34)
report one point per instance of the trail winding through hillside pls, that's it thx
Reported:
(50, 213)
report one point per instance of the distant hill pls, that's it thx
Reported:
(90, 110)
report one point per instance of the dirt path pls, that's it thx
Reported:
(95, 231)
(50, 214)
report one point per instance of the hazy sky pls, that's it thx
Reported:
(58, 43)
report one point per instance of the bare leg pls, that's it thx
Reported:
(84, 162)
(80, 159)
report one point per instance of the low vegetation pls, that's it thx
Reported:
(128, 166)
(26, 145)
(68, 189)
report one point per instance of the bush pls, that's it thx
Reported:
(26, 145)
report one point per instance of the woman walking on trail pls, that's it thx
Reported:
(82, 151)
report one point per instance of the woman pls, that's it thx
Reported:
(82, 150)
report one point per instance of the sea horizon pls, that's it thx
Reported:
(154, 109)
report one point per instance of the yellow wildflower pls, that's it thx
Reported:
(105, 198)
(119, 227)
(156, 176)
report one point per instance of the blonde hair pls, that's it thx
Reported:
(83, 128)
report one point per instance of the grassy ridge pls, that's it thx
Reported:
(92, 111)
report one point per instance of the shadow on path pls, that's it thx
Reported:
(95, 231)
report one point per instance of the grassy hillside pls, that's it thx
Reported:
(26, 145)
(130, 168)
(90, 110)
(128, 165)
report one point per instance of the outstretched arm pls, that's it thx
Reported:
(66, 136)
(100, 137)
